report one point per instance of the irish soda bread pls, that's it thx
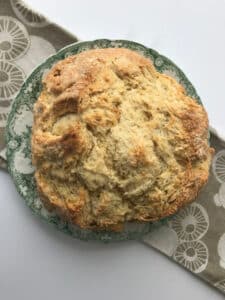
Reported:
(115, 141)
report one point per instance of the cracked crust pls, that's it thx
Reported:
(115, 141)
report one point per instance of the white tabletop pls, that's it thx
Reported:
(38, 262)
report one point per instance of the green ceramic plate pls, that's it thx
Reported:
(18, 134)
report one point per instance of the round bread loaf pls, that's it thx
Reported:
(115, 141)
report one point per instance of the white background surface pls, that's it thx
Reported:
(37, 262)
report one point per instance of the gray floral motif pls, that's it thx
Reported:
(220, 285)
(191, 223)
(39, 50)
(219, 198)
(27, 15)
(218, 166)
(3, 115)
(11, 79)
(14, 39)
(221, 250)
(192, 255)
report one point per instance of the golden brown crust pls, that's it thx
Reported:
(114, 141)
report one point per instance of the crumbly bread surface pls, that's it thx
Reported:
(114, 141)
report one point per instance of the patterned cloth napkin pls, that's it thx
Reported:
(195, 237)
(26, 39)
